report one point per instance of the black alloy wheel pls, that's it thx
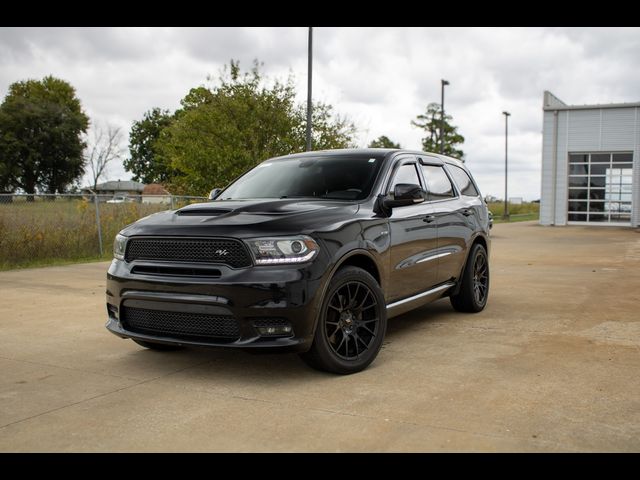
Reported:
(473, 292)
(352, 323)
(480, 278)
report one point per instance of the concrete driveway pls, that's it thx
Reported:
(552, 364)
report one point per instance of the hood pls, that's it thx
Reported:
(247, 218)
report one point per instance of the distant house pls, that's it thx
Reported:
(117, 188)
(155, 193)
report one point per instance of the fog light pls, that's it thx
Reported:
(274, 331)
(272, 327)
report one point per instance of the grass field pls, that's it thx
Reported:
(517, 213)
(65, 231)
(62, 231)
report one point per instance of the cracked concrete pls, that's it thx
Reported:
(550, 365)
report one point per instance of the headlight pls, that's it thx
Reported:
(119, 246)
(279, 250)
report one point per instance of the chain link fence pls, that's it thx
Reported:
(43, 229)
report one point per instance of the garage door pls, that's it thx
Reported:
(600, 187)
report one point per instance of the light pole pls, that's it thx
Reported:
(505, 215)
(443, 82)
(309, 77)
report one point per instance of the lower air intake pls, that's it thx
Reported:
(180, 324)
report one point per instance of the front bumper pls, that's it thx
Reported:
(289, 294)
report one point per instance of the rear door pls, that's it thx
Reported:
(413, 238)
(455, 226)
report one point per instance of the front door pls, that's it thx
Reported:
(413, 240)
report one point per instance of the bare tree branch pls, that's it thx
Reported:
(104, 148)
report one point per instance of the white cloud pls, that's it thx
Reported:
(380, 77)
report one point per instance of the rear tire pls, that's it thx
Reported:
(161, 347)
(474, 290)
(352, 323)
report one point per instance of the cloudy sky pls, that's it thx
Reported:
(380, 77)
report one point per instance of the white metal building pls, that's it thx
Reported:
(590, 164)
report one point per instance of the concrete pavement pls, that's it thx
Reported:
(550, 365)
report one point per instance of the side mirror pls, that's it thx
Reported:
(214, 193)
(405, 194)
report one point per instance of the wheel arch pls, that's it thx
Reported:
(363, 260)
(358, 258)
(478, 238)
(482, 241)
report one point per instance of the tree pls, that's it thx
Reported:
(104, 149)
(41, 127)
(7, 174)
(431, 123)
(221, 132)
(383, 142)
(145, 162)
(329, 130)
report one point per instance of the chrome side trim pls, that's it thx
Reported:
(420, 295)
(434, 257)
(428, 255)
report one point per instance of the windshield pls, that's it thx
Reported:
(344, 177)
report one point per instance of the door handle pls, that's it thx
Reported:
(467, 212)
(429, 218)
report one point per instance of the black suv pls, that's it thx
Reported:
(311, 252)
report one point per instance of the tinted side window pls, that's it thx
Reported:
(438, 184)
(405, 174)
(462, 179)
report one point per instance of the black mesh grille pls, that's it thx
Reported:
(208, 250)
(271, 322)
(179, 324)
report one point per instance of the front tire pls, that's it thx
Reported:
(474, 291)
(352, 323)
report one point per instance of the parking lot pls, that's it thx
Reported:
(551, 364)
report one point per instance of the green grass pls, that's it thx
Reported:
(517, 213)
(62, 231)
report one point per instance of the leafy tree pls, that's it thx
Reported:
(328, 131)
(221, 132)
(7, 174)
(383, 142)
(41, 127)
(145, 162)
(431, 123)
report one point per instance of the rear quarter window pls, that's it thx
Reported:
(463, 181)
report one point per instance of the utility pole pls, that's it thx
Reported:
(506, 137)
(443, 82)
(309, 78)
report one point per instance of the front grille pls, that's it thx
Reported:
(207, 250)
(179, 324)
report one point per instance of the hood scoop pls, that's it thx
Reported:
(202, 212)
